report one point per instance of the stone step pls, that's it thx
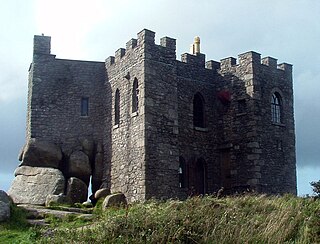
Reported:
(40, 212)
(38, 222)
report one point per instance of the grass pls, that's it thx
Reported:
(243, 219)
(17, 230)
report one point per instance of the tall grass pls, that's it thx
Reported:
(245, 219)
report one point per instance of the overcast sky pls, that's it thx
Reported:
(288, 30)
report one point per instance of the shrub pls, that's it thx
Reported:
(316, 187)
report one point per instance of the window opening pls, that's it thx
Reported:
(135, 92)
(279, 145)
(198, 111)
(84, 106)
(117, 108)
(276, 108)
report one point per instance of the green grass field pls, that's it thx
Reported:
(241, 219)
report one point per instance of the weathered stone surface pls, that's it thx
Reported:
(4, 211)
(101, 193)
(4, 197)
(38, 212)
(32, 185)
(77, 190)
(40, 153)
(88, 146)
(114, 200)
(161, 101)
(5, 203)
(97, 172)
(87, 204)
(56, 199)
(79, 166)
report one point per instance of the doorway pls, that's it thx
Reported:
(198, 177)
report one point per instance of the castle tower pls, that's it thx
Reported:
(148, 125)
(65, 101)
(259, 124)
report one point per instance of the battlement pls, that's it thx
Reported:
(194, 59)
(167, 51)
(146, 37)
(255, 59)
(146, 41)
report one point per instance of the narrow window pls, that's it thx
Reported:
(135, 92)
(117, 107)
(279, 145)
(182, 172)
(198, 111)
(84, 106)
(276, 108)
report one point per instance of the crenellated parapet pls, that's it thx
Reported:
(195, 60)
(145, 43)
(255, 61)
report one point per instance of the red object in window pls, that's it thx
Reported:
(224, 97)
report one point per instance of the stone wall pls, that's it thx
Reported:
(235, 132)
(127, 171)
(238, 146)
(278, 173)
(57, 88)
(256, 161)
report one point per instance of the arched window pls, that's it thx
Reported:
(117, 107)
(182, 172)
(135, 92)
(276, 108)
(198, 111)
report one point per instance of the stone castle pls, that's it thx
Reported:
(148, 125)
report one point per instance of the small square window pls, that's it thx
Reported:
(84, 106)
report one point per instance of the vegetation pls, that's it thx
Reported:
(316, 188)
(17, 230)
(242, 219)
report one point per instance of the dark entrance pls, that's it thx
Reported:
(225, 169)
(198, 178)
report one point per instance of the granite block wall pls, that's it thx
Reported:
(142, 138)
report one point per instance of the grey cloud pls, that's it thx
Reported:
(12, 133)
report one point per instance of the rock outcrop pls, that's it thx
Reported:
(39, 153)
(97, 172)
(32, 185)
(77, 190)
(79, 166)
(5, 203)
(101, 193)
(52, 200)
(114, 200)
(46, 167)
